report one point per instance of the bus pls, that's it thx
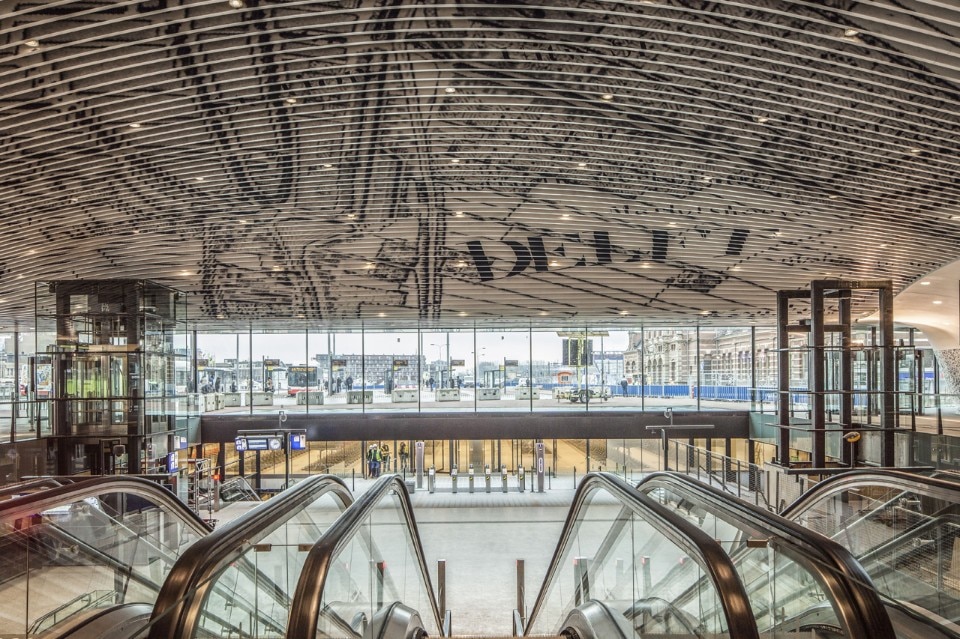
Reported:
(300, 378)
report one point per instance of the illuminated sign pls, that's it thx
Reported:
(172, 463)
(457, 362)
(240, 443)
(397, 363)
(257, 443)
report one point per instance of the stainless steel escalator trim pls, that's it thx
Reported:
(841, 574)
(929, 486)
(700, 546)
(37, 503)
(306, 601)
(178, 607)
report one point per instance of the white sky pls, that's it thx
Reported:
(292, 348)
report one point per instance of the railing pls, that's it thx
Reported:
(639, 515)
(843, 580)
(86, 601)
(184, 603)
(370, 535)
(730, 474)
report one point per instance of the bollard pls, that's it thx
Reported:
(486, 476)
(453, 478)
(521, 479)
(503, 477)
(432, 479)
(470, 476)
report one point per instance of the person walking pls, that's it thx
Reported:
(403, 457)
(623, 385)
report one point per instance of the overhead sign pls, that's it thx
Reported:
(398, 363)
(298, 441)
(203, 363)
(240, 443)
(457, 362)
(510, 362)
(338, 364)
(271, 363)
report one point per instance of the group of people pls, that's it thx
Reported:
(338, 385)
(378, 458)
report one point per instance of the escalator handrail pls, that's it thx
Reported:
(39, 502)
(177, 608)
(24, 488)
(928, 486)
(305, 609)
(838, 567)
(700, 546)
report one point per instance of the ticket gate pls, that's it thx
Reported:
(521, 478)
(470, 476)
(503, 477)
(453, 477)
(432, 479)
(486, 476)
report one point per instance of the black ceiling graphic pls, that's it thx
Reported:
(394, 160)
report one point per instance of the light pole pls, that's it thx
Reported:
(439, 361)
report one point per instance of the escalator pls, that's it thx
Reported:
(75, 551)
(797, 581)
(903, 528)
(367, 578)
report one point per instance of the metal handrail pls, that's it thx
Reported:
(838, 571)
(177, 609)
(44, 500)
(307, 597)
(929, 486)
(700, 546)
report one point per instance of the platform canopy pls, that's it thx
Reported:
(433, 161)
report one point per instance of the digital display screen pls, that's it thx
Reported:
(240, 443)
(298, 441)
(172, 463)
(257, 443)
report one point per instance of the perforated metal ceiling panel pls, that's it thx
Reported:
(572, 160)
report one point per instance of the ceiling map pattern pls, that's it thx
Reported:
(660, 160)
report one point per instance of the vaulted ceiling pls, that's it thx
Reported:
(398, 160)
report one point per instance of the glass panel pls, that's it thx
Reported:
(374, 568)
(224, 357)
(392, 365)
(251, 596)
(669, 363)
(784, 596)
(906, 541)
(122, 545)
(618, 557)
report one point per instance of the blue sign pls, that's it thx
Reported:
(172, 463)
(240, 443)
(298, 441)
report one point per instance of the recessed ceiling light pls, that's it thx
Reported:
(541, 312)
(581, 165)
(554, 263)
(370, 265)
(458, 213)
(955, 217)
(236, 4)
(916, 150)
(850, 33)
(624, 312)
(735, 268)
(462, 314)
(20, 277)
(461, 264)
(644, 264)
(450, 90)
(328, 166)
(301, 315)
(706, 178)
(704, 312)
(883, 246)
(291, 100)
(777, 233)
(277, 268)
(455, 161)
(833, 197)
(671, 223)
(199, 178)
(565, 216)
(762, 119)
(351, 216)
(186, 273)
(219, 316)
(925, 283)
(937, 301)
(381, 314)
(135, 125)
(33, 44)
(607, 97)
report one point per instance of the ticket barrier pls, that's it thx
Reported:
(486, 476)
(470, 476)
(503, 477)
(520, 478)
(432, 480)
(453, 477)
